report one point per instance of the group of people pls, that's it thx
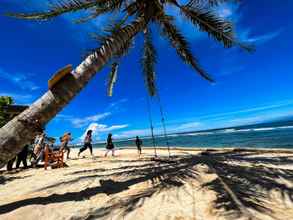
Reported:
(36, 150)
(109, 145)
(41, 142)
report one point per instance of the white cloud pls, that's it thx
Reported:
(225, 12)
(233, 118)
(115, 127)
(259, 118)
(228, 11)
(240, 116)
(254, 110)
(260, 39)
(100, 129)
(158, 130)
(21, 80)
(63, 117)
(133, 133)
(81, 122)
(117, 104)
(188, 126)
(231, 12)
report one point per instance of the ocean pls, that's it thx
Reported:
(269, 135)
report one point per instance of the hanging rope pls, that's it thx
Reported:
(151, 124)
(163, 123)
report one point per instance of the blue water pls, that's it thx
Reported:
(260, 137)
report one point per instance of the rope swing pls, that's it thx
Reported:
(151, 125)
(163, 122)
(148, 63)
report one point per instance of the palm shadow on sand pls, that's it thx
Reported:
(248, 182)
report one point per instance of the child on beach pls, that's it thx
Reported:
(87, 143)
(110, 146)
(138, 144)
(64, 143)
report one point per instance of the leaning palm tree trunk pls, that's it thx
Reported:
(20, 131)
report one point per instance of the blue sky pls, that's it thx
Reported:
(249, 88)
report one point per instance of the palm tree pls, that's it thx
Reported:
(136, 16)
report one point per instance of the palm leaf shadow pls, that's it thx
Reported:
(251, 184)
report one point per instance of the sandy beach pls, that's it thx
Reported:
(193, 185)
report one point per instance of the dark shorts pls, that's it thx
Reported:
(110, 146)
(87, 145)
(65, 146)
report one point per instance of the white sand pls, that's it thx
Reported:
(233, 185)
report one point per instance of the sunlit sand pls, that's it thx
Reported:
(222, 184)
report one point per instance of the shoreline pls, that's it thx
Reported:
(281, 150)
(215, 148)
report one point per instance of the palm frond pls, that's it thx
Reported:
(85, 19)
(181, 45)
(66, 6)
(210, 3)
(217, 27)
(124, 50)
(148, 63)
(112, 79)
(61, 7)
(112, 29)
(132, 8)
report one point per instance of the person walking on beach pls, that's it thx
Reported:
(138, 143)
(22, 157)
(64, 143)
(87, 143)
(110, 146)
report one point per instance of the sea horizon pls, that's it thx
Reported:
(261, 135)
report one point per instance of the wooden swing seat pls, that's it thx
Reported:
(54, 158)
(60, 74)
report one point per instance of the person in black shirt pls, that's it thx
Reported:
(138, 143)
(110, 146)
(87, 143)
